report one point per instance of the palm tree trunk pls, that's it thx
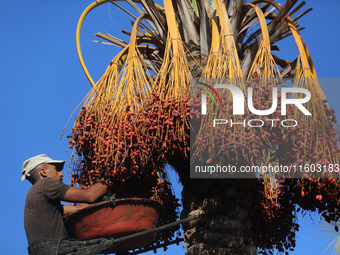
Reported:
(229, 230)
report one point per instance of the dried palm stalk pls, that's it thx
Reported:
(110, 107)
(168, 101)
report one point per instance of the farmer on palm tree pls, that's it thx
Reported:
(43, 217)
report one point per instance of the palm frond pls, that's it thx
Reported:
(329, 230)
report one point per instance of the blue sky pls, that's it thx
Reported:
(42, 83)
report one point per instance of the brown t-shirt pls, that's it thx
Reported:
(43, 217)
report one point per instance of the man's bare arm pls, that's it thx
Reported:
(89, 195)
(73, 208)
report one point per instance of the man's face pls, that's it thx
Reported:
(52, 172)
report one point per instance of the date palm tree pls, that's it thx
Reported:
(223, 41)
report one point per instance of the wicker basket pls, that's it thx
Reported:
(115, 219)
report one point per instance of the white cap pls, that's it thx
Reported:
(33, 162)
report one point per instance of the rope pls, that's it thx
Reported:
(169, 225)
(58, 245)
(145, 232)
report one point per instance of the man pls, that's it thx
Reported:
(43, 216)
